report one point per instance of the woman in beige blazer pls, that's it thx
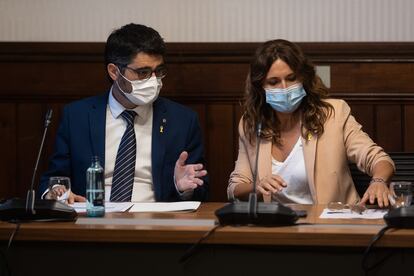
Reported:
(306, 139)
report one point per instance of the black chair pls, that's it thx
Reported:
(404, 164)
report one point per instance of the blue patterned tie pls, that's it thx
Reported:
(123, 178)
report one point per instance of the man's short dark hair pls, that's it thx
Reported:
(125, 43)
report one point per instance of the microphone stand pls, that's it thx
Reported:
(30, 198)
(253, 195)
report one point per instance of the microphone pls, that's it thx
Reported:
(19, 210)
(253, 212)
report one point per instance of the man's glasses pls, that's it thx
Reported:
(145, 73)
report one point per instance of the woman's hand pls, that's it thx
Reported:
(271, 184)
(377, 190)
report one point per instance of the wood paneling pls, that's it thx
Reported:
(374, 78)
(220, 152)
(8, 156)
(389, 127)
(408, 127)
(364, 114)
(29, 135)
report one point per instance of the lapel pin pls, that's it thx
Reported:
(161, 126)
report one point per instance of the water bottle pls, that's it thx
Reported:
(95, 189)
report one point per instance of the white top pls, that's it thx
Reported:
(293, 172)
(115, 127)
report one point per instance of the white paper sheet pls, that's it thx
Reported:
(348, 214)
(110, 207)
(184, 206)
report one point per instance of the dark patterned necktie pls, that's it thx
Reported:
(123, 178)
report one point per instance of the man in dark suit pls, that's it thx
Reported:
(165, 159)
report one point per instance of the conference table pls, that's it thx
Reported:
(154, 244)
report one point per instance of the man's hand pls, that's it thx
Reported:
(75, 198)
(188, 177)
(55, 193)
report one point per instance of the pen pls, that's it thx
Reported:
(335, 212)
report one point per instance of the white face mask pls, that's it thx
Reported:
(143, 91)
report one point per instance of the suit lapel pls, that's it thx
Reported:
(159, 137)
(309, 152)
(97, 123)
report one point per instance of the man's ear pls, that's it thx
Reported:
(112, 70)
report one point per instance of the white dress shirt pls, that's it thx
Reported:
(143, 190)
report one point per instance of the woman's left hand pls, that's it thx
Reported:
(376, 190)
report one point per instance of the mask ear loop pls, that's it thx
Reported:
(125, 78)
(116, 81)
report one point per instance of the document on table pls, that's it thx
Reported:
(348, 214)
(110, 207)
(184, 206)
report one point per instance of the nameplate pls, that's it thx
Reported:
(146, 221)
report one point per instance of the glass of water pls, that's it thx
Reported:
(59, 188)
(401, 193)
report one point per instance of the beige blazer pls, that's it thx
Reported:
(326, 157)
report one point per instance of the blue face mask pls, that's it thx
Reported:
(285, 100)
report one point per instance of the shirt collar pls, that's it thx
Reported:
(117, 108)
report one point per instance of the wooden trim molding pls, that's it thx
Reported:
(320, 52)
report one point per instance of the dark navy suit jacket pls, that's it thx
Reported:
(81, 135)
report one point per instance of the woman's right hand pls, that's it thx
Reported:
(271, 184)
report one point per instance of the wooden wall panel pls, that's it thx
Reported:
(408, 127)
(364, 114)
(220, 153)
(8, 156)
(55, 79)
(210, 80)
(29, 135)
(389, 127)
(374, 78)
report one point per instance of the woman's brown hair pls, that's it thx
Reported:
(315, 111)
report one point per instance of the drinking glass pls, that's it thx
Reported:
(59, 188)
(401, 193)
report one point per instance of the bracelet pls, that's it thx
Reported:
(378, 179)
